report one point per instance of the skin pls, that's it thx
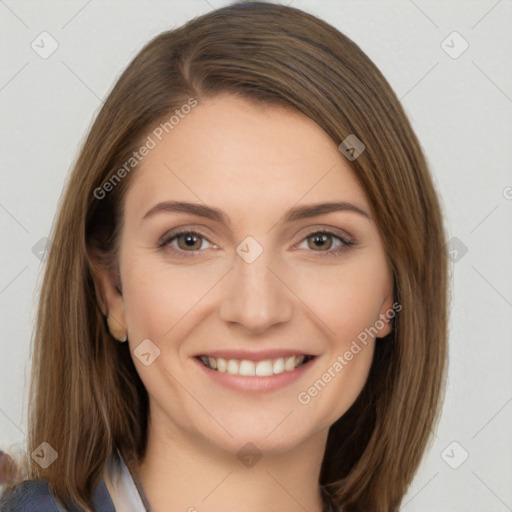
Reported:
(253, 162)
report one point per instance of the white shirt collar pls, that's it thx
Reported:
(121, 486)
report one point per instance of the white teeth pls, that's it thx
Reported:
(289, 364)
(248, 368)
(232, 366)
(278, 366)
(221, 364)
(264, 368)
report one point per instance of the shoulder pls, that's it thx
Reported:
(28, 496)
(35, 496)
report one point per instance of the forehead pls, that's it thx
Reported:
(232, 153)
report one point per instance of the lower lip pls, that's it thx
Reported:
(258, 384)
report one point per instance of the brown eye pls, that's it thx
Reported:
(189, 241)
(326, 243)
(321, 241)
(185, 243)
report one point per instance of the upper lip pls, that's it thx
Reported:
(253, 355)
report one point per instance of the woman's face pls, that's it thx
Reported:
(255, 277)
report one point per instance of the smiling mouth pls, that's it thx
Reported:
(247, 368)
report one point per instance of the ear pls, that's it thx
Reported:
(110, 298)
(384, 324)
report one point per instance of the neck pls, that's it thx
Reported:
(189, 473)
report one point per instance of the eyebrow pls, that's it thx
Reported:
(294, 214)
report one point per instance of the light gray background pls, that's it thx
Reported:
(461, 109)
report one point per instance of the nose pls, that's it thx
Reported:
(256, 296)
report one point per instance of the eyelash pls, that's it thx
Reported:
(168, 238)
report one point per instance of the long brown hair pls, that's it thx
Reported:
(87, 399)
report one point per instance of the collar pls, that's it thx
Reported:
(126, 495)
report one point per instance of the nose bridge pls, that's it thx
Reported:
(255, 297)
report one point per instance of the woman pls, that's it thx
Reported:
(252, 218)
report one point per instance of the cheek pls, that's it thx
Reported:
(162, 298)
(345, 309)
(346, 299)
(337, 384)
